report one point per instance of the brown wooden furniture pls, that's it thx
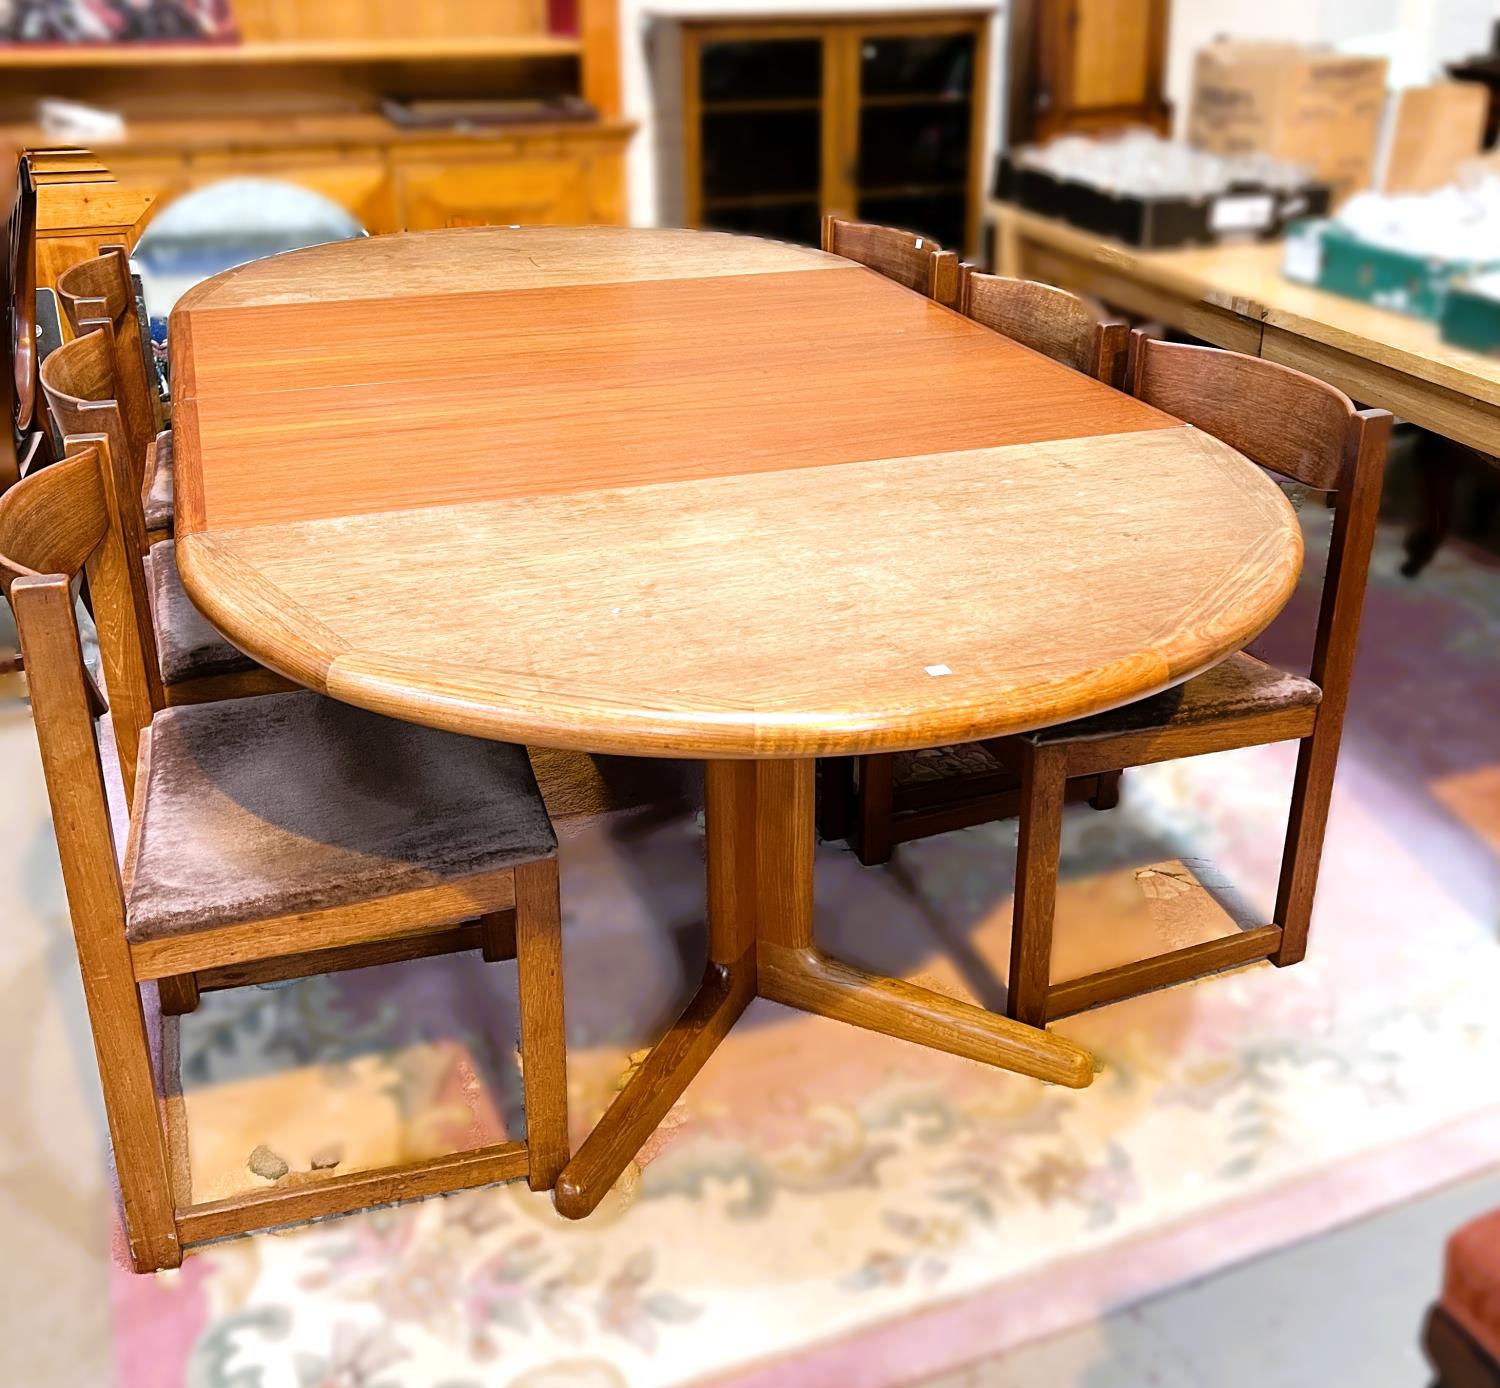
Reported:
(97, 295)
(80, 207)
(876, 118)
(1310, 433)
(254, 854)
(680, 475)
(1462, 1332)
(902, 256)
(85, 385)
(1053, 321)
(299, 99)
(894, 799)
(1086, 65)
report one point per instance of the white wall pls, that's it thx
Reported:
(644, 105)
(1419, 36)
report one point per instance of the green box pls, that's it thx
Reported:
(1471, 320)
(1415, 285)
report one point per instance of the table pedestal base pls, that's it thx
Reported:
(760, 866)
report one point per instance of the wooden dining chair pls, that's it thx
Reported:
(269, 838)
(1302, 430)
(915, 261)
(98, 295)
(887, 799)
(1058, 324)
(192, 663)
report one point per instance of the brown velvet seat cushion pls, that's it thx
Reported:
(292, 802)
(1471, 1281)
(187, 647)
(159, 492)
(1234, 688)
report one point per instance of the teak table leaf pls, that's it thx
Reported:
(687, 494)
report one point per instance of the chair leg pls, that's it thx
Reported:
(835, 797)
(876, 809)
(1044, 783)
(1106, 794)
(179, 995)
(1312, 790)
(543, 1041)
(132, 1107)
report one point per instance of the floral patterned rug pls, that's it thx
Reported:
(831, 1207)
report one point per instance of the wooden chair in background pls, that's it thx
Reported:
(258, 851)
(192, 663)
(915, 261)
(1056, 323)
(893, 799)
(98, 295)
(1300, 429)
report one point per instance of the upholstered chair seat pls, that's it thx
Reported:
(187, 646)
(1238, 687)
(291, 803)
(159, 493)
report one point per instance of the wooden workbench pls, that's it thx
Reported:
(1236, 297)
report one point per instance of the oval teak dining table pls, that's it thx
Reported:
(687, 494)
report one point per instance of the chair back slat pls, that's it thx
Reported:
(1282, 419)
(1300, 428)
(917, 262)
(80, 382)
(56, 522)
(100, 293)
(52, 528)
(1060, 325)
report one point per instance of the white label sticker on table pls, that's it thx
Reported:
(1242, 212)
(937, 669)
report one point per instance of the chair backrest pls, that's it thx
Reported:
(79, 381)
(54, 524)
(915, 261)
(1060, 325)
(81, 386)
(1298, 427)
(99, 294)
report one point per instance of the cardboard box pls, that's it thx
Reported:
(1429, 134)
(1309, 105)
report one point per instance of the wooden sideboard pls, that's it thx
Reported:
(299, 99)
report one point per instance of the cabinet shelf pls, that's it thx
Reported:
(384, 50)
(750, 106)
(916, 99)
(727, 201)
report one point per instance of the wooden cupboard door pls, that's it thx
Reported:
(917, 127)
(1110, 58)
(1100, 65)
(536, 191)
(761, 154)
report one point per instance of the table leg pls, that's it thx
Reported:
(760, 931)
(727, 988)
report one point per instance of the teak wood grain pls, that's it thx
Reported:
(655, 493)
(601, 620)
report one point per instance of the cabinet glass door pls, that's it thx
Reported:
(761, 136)
(916, 122)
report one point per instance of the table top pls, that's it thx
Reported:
(1246, 278)
(684, 493)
